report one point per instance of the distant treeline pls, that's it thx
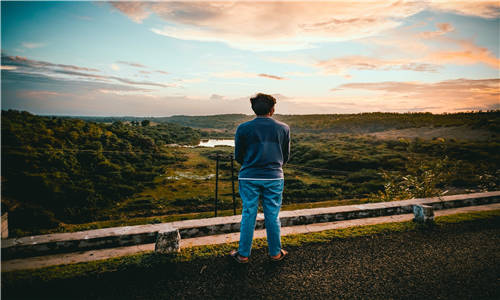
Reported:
(56, 169)
(332, 123)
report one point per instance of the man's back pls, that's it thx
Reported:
(262, 146)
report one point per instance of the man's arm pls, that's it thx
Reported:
(239, 146)
(286, 147)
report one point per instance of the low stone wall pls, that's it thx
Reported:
(80, 241)
(143, 234)
(196, 228)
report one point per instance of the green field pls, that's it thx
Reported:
(66, 174)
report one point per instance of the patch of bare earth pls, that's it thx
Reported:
(455, 132)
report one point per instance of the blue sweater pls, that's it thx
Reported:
(262, 147)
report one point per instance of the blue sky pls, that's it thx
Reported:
(199, 58)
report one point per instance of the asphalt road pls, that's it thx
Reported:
(457, 261)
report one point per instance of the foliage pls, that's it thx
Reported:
(424, 183)
(66, 170)
(58, 173)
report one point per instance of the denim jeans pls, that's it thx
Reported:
(270, 191)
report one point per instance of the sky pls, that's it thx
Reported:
(203, 58)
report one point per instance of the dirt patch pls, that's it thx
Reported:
(456, 132)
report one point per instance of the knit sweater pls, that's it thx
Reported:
(262, 147)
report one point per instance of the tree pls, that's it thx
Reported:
(145, 123)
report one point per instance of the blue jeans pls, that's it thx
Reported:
(270, 191)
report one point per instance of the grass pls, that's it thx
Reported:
(145, 260)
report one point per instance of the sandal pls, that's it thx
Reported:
(283, 253)
(234, 254)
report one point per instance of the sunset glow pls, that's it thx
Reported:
(199, 58)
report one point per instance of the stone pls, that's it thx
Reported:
(5, 226)
(423, 213)
(168, 240)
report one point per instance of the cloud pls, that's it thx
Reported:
(217, 97)
(271, 76)
(443, 28)
(20, 61)
(469, 53)
(72, 97)
(32, 45)
(270, 25)
(115, 67)
(8, 68)
(137, 65)
(483, 9)
(341, 65)
(457, 85)
(131, 64)
(128, 81)
(24, 65)
(161, 72)
(279, 25)
(241, 74)
(136, 11)
(405, 49)
(121, 92)
(448, 95)
(42, 94)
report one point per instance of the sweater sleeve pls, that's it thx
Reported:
(286, 147)
(239, 146)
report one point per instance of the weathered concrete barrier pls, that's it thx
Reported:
(144, 234)
(81, 240)
(424, 214)
(168, 240)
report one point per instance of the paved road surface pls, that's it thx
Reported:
(459, 261)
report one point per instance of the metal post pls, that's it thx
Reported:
(232, 183)
(216, 181)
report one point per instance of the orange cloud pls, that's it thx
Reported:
(136, 11)
(468, 54)
(449, 95)
(279, 25)
(483, 9)
(272, 25)
(271, 76)
(443, 28)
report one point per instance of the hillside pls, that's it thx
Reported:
(60, 172)
(67, 170)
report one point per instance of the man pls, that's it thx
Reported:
(262, 147)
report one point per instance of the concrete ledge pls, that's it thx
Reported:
(168, 241)
(145, 234)
(81, 240)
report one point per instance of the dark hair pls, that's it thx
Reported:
(262, 104)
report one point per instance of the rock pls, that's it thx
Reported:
(5, 226)
(423, 213)
(168, 240)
